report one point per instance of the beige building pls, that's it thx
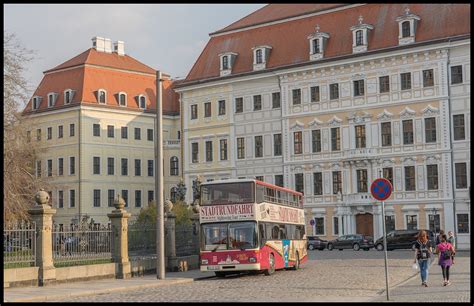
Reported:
(94, 115)
(325, 98)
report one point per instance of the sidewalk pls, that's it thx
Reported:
(412, 291)
(42, 294)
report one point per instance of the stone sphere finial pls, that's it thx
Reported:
(42, 197)
(168, 206)
(119, 203)
(196, 208)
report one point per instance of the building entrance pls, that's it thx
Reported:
(365, 224)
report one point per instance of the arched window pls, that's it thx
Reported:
(406, 29)
(225, 63)
(315, 46)
(173, 194)
(258, 56)
(174, 166)
(142, 100)
(102, 96)
(359, 38)
(122, 99)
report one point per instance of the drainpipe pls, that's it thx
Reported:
(79, 167)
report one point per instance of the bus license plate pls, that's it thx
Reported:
(212, 268)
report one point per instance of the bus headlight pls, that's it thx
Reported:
(204, 261)
(252, 259)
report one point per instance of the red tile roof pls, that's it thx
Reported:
(289, 40)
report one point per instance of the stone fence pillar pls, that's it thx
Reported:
(170, 241)
(196, 230)
(119, 220)
(42, 215)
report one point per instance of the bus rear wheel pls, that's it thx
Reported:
(271, 269)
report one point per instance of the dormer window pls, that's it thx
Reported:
(122, 99)
(142, 101)
(36, 102)
(68, 95)
(227, 60)
(102, 96)
(260, 57)
(318, 42)
(407, 27)
(52, 99)
(360, 36)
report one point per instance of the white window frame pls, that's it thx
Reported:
(71, 95)
(126, 99)
(417, 214)
(36, 102)
(57, 172)
(52, 96)
(69, 198)
(140, 101)
(69, 165)
(324, 227)
(105, 95)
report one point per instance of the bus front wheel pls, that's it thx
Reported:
(220, 274)
(271, 269)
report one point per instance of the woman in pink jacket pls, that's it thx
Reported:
(445, 252)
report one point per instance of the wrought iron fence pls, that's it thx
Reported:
(141, 240)
(187, 240)
(19, 245)
(79, 244)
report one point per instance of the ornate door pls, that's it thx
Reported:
(365, 224)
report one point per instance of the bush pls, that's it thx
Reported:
(180, 209)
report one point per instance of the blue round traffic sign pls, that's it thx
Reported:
(312, 222)
(381, 189)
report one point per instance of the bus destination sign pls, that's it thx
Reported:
(232, 212)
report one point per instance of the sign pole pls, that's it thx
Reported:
(385, 249)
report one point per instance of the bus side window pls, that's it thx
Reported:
(260, 193)
(268, 231)
(282, 230)
(299, 232)
(290, 231)
(275, 232)
(261, 231)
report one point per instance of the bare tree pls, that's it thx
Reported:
(19, 179)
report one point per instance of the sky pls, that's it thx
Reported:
(166, 37)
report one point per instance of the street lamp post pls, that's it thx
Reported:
(433, 212)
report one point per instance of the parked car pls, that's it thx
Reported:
(402, 239)
(355, 242)
(316, 243)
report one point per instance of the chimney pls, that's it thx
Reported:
(108, 45)
(119, 47)
(98, 43)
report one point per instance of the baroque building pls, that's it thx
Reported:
(94, 117)
(325, 98)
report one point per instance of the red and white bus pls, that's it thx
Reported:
(249, 225)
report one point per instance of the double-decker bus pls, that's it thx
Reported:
(249, 225)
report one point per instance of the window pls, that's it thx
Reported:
(96, 129)
(316, 135)
(315, 97)
(173, 194)
(60, 131)
(151, 166)
(138, 198)
(336, 182)
(296, 96)
(258, 56)
(410, 178)
(277, 150)
(384, 82)
(221, 107)
(72, 165)
(434, 223)
(276, 100)
(240, 148)
(335, 224)
(258, 146)
(458, 126)
(50, 167)
(36, 101)
(138, 134)
(67, 96)
(60, 166)
(298, 142)
(142, 100)
(407, 131)
(389, 223)
(319, 226)
(333, 91)
(71, 130)
(195, 152)
(96, 197)
(316, 48)
(102, 96)
(110, 166)
(149, 134)
(194, 111)
(60, 199)
(461, 175)
(124, 130)
(406, 29)
(317, 183)
(50, 133)
(387, 173)
(72, 198)
(335, 139)
(38, 134)
(125, 197)
(456, 74)
(406, 80)
(51, 100)
(259, 178)
(207, 109)
(124, 166)
(138, 167)
(223, 149)
(428, 79)
(362, 180)
(174, 166)
(110, 197)
(463, 223)
(360, 136)
(225, 63)
(150, 196)
(96, 165)
(257, 102)
(122, 99)
(430, 130)
(358, 88)
(432, 175)
(208, 151)
(412, 223)
(299, 183)
(386, 134)
(359, 38)
(110, 131)
(239, 105)
(279, 180)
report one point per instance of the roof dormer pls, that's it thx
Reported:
(360, 36)
(35, 103)
(141, 99)
(317, 44)
(260, 57)
(407, 27)
(68, 96)
(52, 96)
(226, 61)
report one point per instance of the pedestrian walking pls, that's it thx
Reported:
(441, 232)
(445, 252)
(423, 251)
(452, 240)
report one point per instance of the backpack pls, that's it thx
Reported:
(424, 253)
(446, 254)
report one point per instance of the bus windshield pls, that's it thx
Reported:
(229, 236)
(227, 193)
